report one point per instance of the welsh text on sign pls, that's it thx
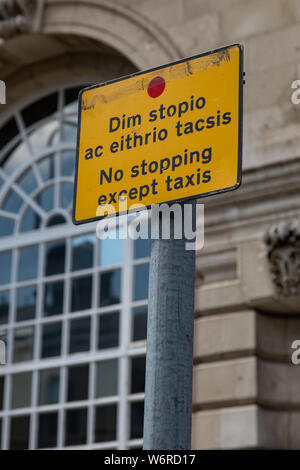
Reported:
(163, 135)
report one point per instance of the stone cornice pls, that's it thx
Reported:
(266, 180)
(267, 195)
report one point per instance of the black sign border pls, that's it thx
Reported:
(240, 132)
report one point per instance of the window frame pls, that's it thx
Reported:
(126, 349)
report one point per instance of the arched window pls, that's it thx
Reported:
(72, 308)
(37, 164)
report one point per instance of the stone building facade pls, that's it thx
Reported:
(248, 289)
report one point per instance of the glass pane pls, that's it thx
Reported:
(13, 202)
(67, 163)
(6, 226)
(83, 252)
(106, 423)
(81, 293)
(110, 288)
(8, 131)
(110, 251)
(51, 340)
(136, 420)
(47, 433)
(142, 248)
(66, 194)
(139, 323)
(26, 303)
(107, 378)
(21, 390)
(80, 335)
(108, 331)
(4, 306)
(69, 132)
(56, 219)
(28, 182)
(1, 393)
(30, 221)
(141, 280)
(55, 257)
(71, 99)
(46, 198)
(23, 344)
(46, 168)
(53, 298)
(19, 433)
(49, 386)
(44, 136)
(138, 368)
(5, 263)
(40, 109)
(28, 263)
(76, 426)
(78, 378)
(15, 157)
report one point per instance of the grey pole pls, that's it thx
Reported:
(169, 363)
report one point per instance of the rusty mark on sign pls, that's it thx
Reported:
(94, 97)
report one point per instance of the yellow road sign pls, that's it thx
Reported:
(162, 135)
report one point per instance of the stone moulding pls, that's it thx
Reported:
(283, 251)
(15, 17)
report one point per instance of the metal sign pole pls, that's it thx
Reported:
(169, 364)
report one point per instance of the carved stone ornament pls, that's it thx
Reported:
(283, 244)
(15, 17)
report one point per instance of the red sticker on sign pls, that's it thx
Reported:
(156, 87)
